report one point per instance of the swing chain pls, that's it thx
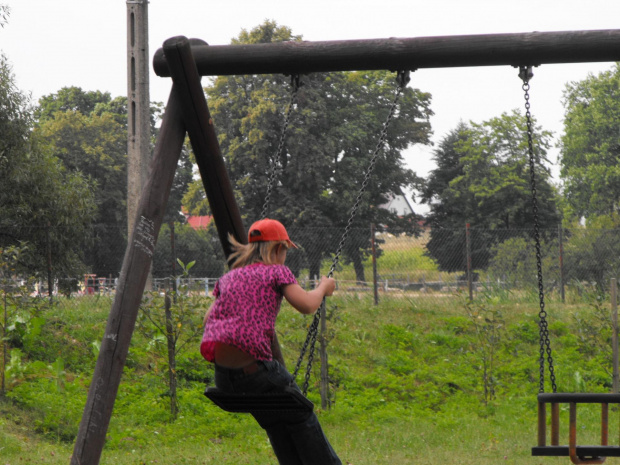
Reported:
(402, 80)
(296, 83)
(310, 340)
(525, 73)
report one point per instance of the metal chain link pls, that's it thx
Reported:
(402, 80)
(295, 85)
(525, 73)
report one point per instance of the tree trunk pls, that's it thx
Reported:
(4, 348)
(172, 372)
(358, 266)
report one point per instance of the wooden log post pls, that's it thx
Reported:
(135, 270)
(187, 108)
(203, 138)
(182, 67)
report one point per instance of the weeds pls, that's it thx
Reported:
(489, 325)
(413, 383)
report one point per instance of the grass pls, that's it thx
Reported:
(401, 262)
(406, 384)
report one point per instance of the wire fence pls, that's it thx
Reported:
(433, 266)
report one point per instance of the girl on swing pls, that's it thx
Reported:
(239, 336)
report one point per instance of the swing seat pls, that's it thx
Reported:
(579, 454)
(288, 400)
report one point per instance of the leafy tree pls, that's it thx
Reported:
(590, 146)
(513, 262)
(71, 99)
(95, 146)
(190, 245)
(333, 133)
(590, 252)
(9, 259)
(87, 130)
(40, 201)
(483, 178)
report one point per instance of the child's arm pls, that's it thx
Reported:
(308, 302)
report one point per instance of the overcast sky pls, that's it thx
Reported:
(61, 43)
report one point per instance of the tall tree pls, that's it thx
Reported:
(96, 146)
(71, 99)
(483, 178)
(590, 146)
(41, 203)
(333, 132)
(87, 130)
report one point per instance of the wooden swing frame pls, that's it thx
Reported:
(187, 112)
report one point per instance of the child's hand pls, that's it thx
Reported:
(328, 285)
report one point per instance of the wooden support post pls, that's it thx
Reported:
(374, 263)
(572, 430)
(555, 424)
(604, 424)
(202, 135)
(182, 67)
(136, 267)
(542, 424)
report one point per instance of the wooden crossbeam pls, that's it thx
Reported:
(519, 49)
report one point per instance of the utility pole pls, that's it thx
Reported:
(138, 105)
(138, 109)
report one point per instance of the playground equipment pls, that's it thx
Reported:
(187, 112)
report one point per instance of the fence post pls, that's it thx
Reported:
(374, 263)
(324, 387)
(469, 274)
(614, 340)
(5, 344)
(561, 241)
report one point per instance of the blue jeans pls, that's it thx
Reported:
(296, 437)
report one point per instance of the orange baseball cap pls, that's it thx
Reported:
(269, 230)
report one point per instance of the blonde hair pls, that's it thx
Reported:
(254, 252)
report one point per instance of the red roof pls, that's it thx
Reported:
(199, 222)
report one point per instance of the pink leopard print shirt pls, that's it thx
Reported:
(247, 302)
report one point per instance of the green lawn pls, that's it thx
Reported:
(407, 386)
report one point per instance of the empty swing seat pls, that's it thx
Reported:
(579, 454)
(288, 400)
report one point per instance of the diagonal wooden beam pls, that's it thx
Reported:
(136, 266)
(204, 142)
